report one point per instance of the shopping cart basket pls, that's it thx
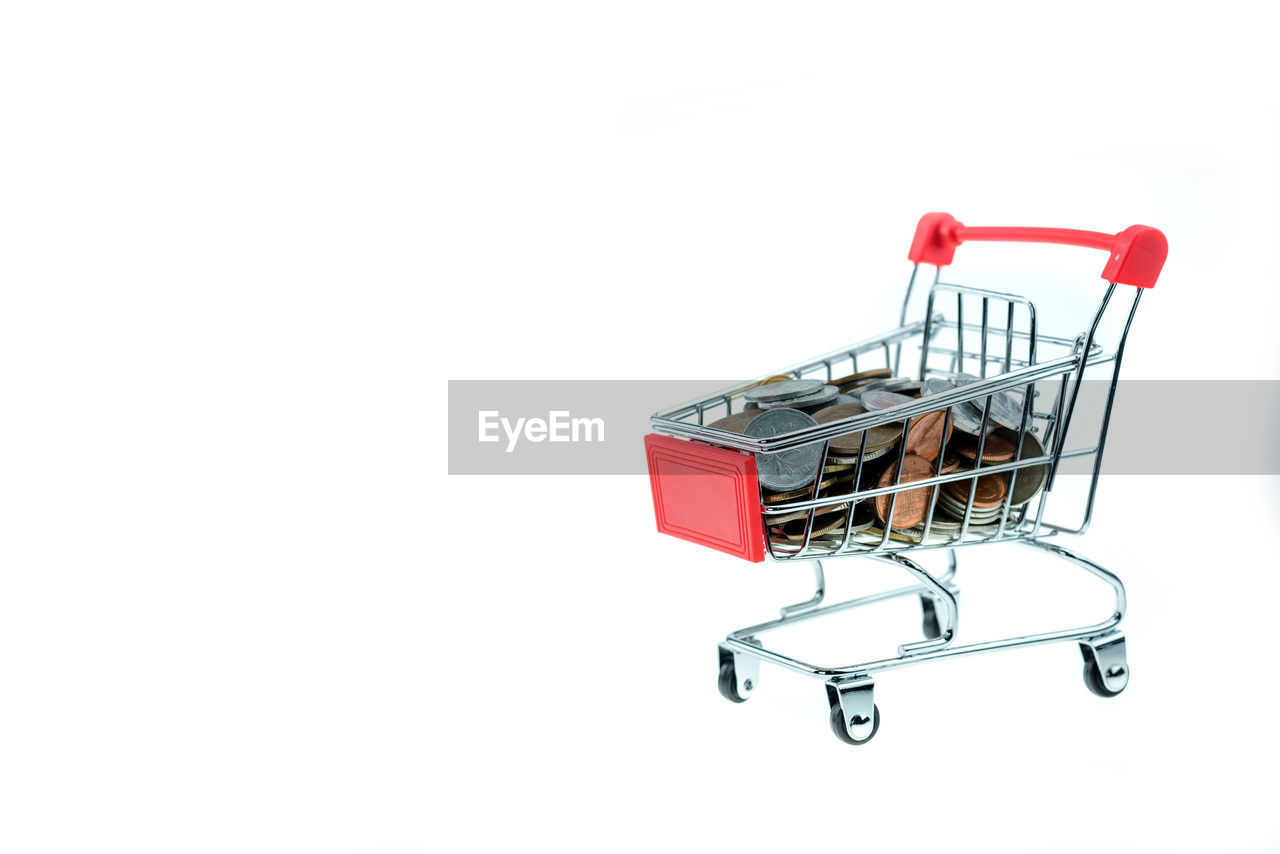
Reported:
(989, 363)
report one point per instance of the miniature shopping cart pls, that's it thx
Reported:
(707, 489)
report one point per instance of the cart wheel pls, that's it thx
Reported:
(840, 727)
(930, 622)
(728, 683)
(1093, 679)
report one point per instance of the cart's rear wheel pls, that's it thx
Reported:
(1093, 679)
(841, 727)
(728, 683)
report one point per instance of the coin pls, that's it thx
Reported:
(863, 377)
(990, 491)
(965, 416)
(879, 439)
(912, 504)
(795, 530)
(821, 397)
(995, 448)
(785, 469)
(1005, 411)
(925, 437)
(1031, 479)
(806, 491)
(737, 422)
(777, 378)
(782, 390)
(901, 385)
(880, 399)
(950, 462)
(869, 456)
(783, 518)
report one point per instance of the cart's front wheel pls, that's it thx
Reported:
(1093, 679)
(842, 728)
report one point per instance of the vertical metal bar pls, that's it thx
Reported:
(982, 369)
(937, 472)
(1008, 340)
(959, 332)
(901, 318)
(977, 466)
(928, 335)
(857, 484)
(1106, 415)
(1075, 389)
(897, 482)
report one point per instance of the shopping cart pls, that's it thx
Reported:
(706, 487)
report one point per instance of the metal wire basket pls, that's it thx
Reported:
(707, 489)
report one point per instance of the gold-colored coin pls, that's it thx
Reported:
(807, 490)
(737, 422)
(878, 438)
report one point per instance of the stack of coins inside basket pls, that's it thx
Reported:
(963, 437)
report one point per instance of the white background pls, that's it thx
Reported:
(244, 245)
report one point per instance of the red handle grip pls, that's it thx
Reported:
(1137, 253)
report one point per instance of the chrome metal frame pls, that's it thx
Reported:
(1026, 358)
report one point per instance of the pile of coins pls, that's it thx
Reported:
(934, 444)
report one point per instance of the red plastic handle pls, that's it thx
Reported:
(1137, 253)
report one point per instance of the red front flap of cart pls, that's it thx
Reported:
(706, 495)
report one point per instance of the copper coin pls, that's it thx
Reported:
(777, 378)
(737, 422)
(996, 449)
(990, 491)
(912, 504)
(950, 462)
(924, 436)
(863, 377)
(878, 438)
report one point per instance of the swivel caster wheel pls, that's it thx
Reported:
(854, 715)
(1106, 669)
(739, 675)
(845, 730)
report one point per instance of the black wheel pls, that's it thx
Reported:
(1093, 679)
(839, 727)
(930, 622)
(728, 683)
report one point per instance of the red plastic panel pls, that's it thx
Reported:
(706, 495)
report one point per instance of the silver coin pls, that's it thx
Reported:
(820, 398)
(1005, 410)
(783, 390)
(874, 400)
(965, 416)
(844, 398)
(785, 470)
